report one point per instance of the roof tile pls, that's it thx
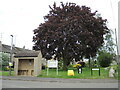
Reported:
(27, 54)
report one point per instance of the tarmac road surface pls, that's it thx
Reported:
(35, 82)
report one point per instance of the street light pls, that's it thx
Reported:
(10, 62)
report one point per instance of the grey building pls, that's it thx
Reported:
(7, 49)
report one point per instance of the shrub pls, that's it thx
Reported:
(4, 62)
(105, 59)
(5, 68)
(5, 59)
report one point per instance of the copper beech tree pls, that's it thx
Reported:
(70, 32)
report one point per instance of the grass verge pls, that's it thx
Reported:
(86, 74)
(6, 73)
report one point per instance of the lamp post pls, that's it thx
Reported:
(10, 62)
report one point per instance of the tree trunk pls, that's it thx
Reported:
(89, 63)
(65, 64)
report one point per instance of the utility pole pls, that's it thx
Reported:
(10, 61)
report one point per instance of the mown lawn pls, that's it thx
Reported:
(6, 73)
(86, 74)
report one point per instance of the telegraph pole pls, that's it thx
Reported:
(10, 62)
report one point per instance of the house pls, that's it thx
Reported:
(7, 49)
(26, 62)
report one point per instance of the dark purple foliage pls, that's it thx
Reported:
(70, 31)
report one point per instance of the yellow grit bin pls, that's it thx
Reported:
(70, 73)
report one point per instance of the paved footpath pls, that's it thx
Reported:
(29, 78)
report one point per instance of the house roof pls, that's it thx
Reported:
(27, 54)
(7, 49)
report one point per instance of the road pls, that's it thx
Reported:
(53, 84)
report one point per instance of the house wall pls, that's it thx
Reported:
(38, 65)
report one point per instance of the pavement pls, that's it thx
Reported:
(39, 79)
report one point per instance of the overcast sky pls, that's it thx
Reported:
(21, 17)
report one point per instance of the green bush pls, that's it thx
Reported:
(105, 59)
(5, 60)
